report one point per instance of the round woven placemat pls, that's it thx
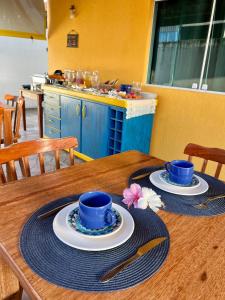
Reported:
(184, 205)
(80, 270)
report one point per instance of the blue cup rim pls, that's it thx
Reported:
(173, 162)
(95, 192)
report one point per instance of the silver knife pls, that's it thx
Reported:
(216, 197)
(141, 251)
(141, 176)
(56, 209)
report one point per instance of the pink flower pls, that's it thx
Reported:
(132, 195)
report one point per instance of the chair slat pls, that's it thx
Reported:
(71, 157)
(57, 159)
(11, 170)
(2, 175)
(25, 166)
(204, 165)
(18, 115)
(41, 162)
(218, 169)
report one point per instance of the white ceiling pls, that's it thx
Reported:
(22, 15)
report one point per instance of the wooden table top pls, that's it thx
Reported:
(195, 268)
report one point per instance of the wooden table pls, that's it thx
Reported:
(7, 124)
(39, 97)
(195, 268)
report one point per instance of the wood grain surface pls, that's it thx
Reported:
(7, 137)
(213, 154)
(195, 268)
(21, 151)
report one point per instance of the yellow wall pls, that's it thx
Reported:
(114, 39)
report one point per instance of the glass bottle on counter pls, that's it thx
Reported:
(66, 76)
(87, 79)
(79, 79)
(95, 79)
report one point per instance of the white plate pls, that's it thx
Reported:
(179, 190)
(70, 237)
(183, 187)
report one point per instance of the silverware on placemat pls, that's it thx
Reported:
(140, 251)
(141, 176)
(55, 210)
(204, 204)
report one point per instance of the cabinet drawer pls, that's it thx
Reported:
(51, 109)
(50, 121)
(52, 132)
(52, 98)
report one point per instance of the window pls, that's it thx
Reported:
(189, 44)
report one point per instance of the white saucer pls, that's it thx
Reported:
(113, 231)
(72, 238)
(179, 190)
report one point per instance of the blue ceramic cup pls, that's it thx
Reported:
(125, 88)
(180, 171)
(95, 210)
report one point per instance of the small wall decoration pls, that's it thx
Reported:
(72, 39)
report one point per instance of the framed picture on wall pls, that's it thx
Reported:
(72, 39)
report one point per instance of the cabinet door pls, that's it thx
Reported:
(71, 118)
(94, 129)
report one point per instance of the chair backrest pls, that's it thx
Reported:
(9, 97)
(17, 118)
(22, 151)
(212, 154)
(6, 128)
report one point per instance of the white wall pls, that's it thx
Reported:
(19, 60)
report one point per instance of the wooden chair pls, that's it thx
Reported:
(1, 123)
(22, 151)
(212, 154)
(10, 134)
(13, 99)
(10, 98)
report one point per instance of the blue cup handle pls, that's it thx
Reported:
(110, 217)
(167, 166)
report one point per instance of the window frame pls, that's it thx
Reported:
(204, 62)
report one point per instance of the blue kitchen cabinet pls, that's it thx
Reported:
(95, 130)
(101, 129)
(71, 118)
(52, 115)
(129, 134)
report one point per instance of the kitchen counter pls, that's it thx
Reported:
(102, 125)
(105, 99)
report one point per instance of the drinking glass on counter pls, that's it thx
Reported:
(70, 77)
(73, 77)
(136, 88)
(95, 79)
(87, 79)
(66, 76)
(79, 79)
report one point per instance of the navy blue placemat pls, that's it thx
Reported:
(183, 205)
(80, 270)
